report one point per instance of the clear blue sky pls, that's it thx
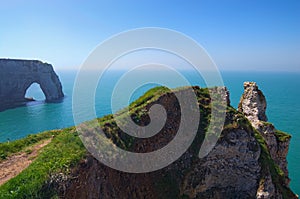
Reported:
(239, 35)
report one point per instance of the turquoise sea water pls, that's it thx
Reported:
(282, 91)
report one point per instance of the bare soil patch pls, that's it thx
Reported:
(16, 163)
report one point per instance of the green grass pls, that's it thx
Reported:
(282, 136)
(64, 152)
(150, 95)
(9, 148)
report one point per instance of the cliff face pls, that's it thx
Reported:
(245, 162)
(16, 76)
(253, 105)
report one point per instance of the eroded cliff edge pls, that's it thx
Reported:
(16, 76)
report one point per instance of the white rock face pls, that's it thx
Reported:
(17, 75)
(253, 103)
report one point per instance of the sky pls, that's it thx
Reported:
(238, 35)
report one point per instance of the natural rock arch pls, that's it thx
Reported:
(35, 92)
(16, 76)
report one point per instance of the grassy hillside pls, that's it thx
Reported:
(64, 151)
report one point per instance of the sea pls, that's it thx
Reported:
(282, 91)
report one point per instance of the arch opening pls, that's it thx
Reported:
(34, 92)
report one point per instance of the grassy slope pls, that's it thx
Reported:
(63, 152)
(9, 148)
(66, 149)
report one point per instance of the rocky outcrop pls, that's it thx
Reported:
(16, 76)
(253, 104)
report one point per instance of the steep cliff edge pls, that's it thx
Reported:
(239, 166)
(16, 76)
(253, 104)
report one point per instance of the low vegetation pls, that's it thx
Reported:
(282, 136)
(8, 148)
(59, 156)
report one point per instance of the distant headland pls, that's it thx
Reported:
(17, 75)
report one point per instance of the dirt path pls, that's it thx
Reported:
(16, 163)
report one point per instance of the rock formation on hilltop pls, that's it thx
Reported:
(253, 103)
(16, 76)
